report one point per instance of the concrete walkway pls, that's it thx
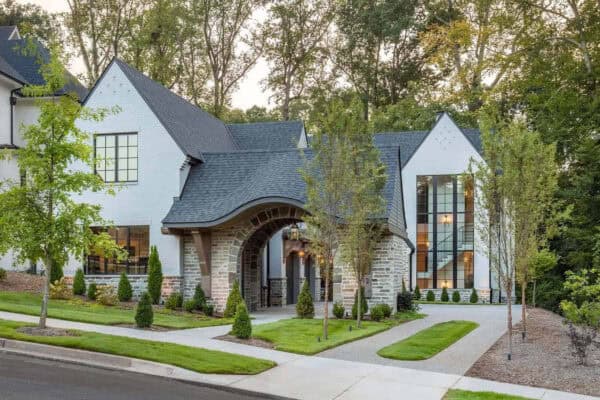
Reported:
(456, 359)
(296, 376)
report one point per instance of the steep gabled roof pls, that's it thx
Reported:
(9, 32)
(267, 135)
(21, 60)
(407, 142)
(194, 130)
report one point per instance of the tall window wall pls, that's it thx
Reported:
(134, 239)
(445, 232)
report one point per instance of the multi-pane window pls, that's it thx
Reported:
(117, 157)
(444, 231)
(135, 240)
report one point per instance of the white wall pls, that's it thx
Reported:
(147, 201)
(445, 151)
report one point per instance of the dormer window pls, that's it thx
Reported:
(116, 157)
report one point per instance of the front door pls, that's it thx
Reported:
(292, 272)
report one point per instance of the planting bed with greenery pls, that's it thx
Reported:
(304, 336)
(428, 342)
(455, 394)
(192, 358)
(84, 311)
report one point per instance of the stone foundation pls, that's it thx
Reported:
(465, 295)
(139, 283)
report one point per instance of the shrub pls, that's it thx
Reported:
(363, 303)
(584, 327)
(387, 310)
(304, 306)
(242, 327)
(377, 312)
(92, 291)
(404, 301)
(417, 293)
(144, 315)
(199, 298)
(234, 298)
(189, 305)
(59, 290)
(474, 297)
(444, 297)
(2, 274)
(338, 310)
(174, 301)
(155, 276)
(79, 283)
(107, 295)
(209, 309)
(124, 292)
(430, 295)
(456, 296)
(56, 272)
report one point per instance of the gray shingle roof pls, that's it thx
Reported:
(7, 31)
(225, 183)
(22, 62)
(267, 135)
(407, 142)
(194, 130)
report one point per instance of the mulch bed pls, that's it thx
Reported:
(543, 360)
(152, 328)
(252, 341)
(36, 331)
(22, 282)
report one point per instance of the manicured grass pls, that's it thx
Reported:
(84, 311)
(300, 335)
(192, 358)
(428, 342)
(455, 394)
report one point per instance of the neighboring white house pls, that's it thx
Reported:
(218, 201)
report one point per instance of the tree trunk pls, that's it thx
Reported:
(326, 307)
(45, 295)
(509, 322)
(524, 309)
(358, 304)
(533, 297)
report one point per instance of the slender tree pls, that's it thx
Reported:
(30, 19)
(40, 220)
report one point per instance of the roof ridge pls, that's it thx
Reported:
(241, 151)
(296, 121)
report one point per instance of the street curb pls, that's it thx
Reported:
(120, 363)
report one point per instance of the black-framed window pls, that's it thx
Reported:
(445, 231)
(135, 240)
(116, 157)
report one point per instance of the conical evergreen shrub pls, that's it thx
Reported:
(79, 283)
(430, 295)
(234, 298)
(144, 316)
(304, 306)
(199, 298)
(124, 292)
(242, 326)
(444, 297)
(456, 296)
(92, 291)
(155, 276)
(417, 293)
(364, 306)
(474, 297)
(56, 272)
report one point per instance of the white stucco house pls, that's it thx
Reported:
(224, 202)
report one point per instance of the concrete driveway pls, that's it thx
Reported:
(456, 359)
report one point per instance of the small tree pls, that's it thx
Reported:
(234, 298)
(364, 306)
(430, 295)
(79, 283)
(305, 307)
(155, 276)
(242, 325)
(124, 292)
(199, 298)
(417, 293)
(144, 315)
(456, 296)
(474, 297)
(444, 297)
(56, 273)
(540, 263)
(92, 291)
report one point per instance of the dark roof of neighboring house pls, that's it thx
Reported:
(21, 59)
(225, 184)
(194, 130)
(7, 31)
(267, 135)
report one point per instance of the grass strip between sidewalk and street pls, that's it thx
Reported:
(455, 394)
(304, 336)
(94, 313)
(428, 342)
(191, 358)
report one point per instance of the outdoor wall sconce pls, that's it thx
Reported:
(294, 232)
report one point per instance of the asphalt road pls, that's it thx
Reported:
(26, 378)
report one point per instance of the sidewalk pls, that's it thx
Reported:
(298, 377)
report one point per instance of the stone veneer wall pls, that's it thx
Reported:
(139, 283)
(390, 267)
(465, 295)
(278, 291)
(191, 268)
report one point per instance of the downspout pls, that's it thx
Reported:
(268, 273)
(13, 103)
(410, 268)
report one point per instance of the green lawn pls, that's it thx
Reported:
(455, 394)
(192, 358)
(428, 342)
(302, 335)
(83, 311)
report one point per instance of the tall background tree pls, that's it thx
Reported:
(31, 19)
